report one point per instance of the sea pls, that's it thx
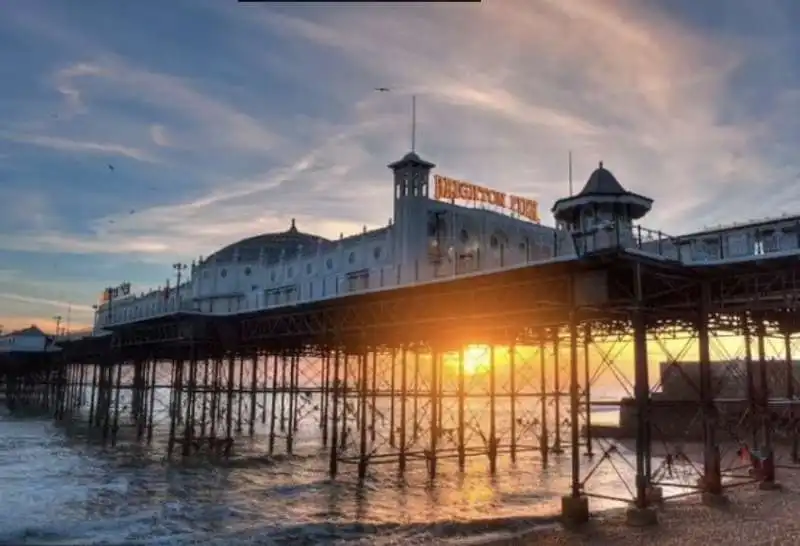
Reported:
(62, 487)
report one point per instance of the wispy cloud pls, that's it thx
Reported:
(616, 82)
(68, 145)
(158, 134)
(276, 116)
(219, 122)
(229, 212)
(65, 84)
(42, 301)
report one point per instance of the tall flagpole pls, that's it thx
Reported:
(413, 116)
(413, 123)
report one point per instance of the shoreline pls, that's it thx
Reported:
(750, 517)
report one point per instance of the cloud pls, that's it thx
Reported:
(235, 209)
(618, 82)
(21, 311)
(68, 88)
(78, 146)
(42, 301)
(289, 126)
(158, 134)
(218, 122)
(546, 78)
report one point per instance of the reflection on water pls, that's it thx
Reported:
(58, 488)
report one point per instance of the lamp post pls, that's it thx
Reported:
(57, 318)
(179, 269)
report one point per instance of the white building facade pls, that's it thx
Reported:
(429, 239)
(28, 340)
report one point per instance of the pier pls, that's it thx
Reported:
(427, 346)
(380, 376)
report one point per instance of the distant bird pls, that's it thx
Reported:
(110, 167)
(382, 89)
(132, 211)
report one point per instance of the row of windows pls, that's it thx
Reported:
(438, 225)
(377, 254)
(495, 240)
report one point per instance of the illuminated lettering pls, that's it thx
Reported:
(446, 188)
(527, 208)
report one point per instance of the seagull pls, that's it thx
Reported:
(382, 89)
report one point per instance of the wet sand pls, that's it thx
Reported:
(752, 517)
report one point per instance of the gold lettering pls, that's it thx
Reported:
(464, 191)
(444, 188)
(450, 189)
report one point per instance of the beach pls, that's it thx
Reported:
(751, 517)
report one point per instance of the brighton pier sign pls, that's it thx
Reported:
(451, 189)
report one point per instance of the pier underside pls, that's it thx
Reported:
(509, 368)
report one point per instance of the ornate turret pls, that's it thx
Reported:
(601, 215)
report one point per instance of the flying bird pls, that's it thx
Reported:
(382, 89)
(110, 167)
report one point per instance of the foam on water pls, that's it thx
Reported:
(59, 489)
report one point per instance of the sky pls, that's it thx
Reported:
(137, 134)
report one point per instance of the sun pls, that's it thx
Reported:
(476, 360)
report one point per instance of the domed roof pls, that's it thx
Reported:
(270, 246)
(602, 182)
(604, 189)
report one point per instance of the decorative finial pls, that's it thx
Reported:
(601, 164)
(292, 227)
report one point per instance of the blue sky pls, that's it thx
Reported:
(223, 120)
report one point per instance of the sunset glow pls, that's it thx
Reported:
(477, 360)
